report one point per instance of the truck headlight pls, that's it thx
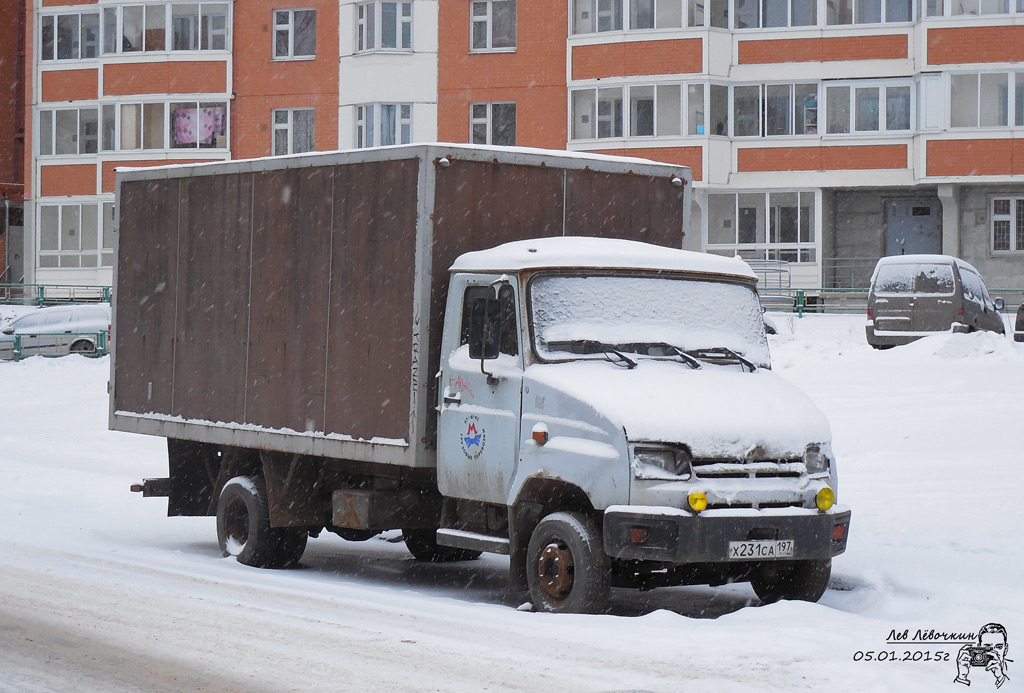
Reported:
(825, 499)
(672, 460)
(815, 460)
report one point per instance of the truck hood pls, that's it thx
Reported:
(719, 411)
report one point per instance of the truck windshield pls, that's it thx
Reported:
(592, 316)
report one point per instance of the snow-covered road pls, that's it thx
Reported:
(99, 591)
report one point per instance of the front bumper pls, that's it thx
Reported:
(679, 537)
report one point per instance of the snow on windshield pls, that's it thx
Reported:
(622, 311)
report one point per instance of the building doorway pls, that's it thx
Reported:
(913, 226)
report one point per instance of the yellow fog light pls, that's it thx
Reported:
(698, 501)
(825, 499)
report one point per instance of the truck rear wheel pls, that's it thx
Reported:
(244, 531)
(567, 569)
(794, 580)
(422, 544)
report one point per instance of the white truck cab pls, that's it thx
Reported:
(608, 416)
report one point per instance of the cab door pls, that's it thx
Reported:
(480, 402)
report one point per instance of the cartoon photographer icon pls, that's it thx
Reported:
(988, 654)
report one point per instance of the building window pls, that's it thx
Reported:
(493, 123)
(73, 36)
(869, 11)
(869, 108)
(597, 113)
(162, 27)
(294, 34)
(76, 235)
(68, 131)
(198, 125)
(384, 26)
(382, 124)
(293, 131)
(980, 100)
(774, 13)
(662, 110)
(769, 110)
(1008, 224)
(776, 225)
(493, 25)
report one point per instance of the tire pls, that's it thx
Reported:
(793, 580)
(567, 569)
(422, 544)
(82, 346)
(244, 531)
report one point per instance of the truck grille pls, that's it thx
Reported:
(748, 469)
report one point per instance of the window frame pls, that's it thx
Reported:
(79, 136)
(1014, 81)
(289, 129)
(103, 254)
(1014, 219)
(768, 249)
(487, 20)
(198, 33)
(289, 27)
(763, 107)
(376, 25)
(488, 121)
(403, 124)
(53, 19)
(882, 87)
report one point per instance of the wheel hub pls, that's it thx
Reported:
(556, 570)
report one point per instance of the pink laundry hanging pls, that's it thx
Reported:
(185, 126)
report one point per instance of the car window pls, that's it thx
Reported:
(30, 322)
(974, 288)
(894, 279)
(934, 279)
(57, 317)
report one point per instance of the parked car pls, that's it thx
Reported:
(1018, 328)
(913, 296)
(57, 331)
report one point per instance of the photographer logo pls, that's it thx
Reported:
(984, 658)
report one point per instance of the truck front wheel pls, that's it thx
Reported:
(567, 569)
(244, 531)
(794, 580)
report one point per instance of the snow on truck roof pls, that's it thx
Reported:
(599, 253)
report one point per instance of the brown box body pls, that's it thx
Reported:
(297, 304)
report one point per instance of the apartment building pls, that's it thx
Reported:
(822, 133)
(12, 133)
(111, 84)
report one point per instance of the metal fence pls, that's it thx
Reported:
(101, 339)
(43, 294)
(802, 301)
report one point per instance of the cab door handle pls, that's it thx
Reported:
(452, 397)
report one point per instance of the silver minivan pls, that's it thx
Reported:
(913, 296)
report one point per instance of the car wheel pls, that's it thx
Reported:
(793, 580)
(567, 568)
(83, 346)
(244, 531)
(422, 544)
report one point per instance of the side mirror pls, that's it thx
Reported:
(485, 329)
(1000, 303)
(8, 330)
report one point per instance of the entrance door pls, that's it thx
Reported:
(478, 425)
(913, 227)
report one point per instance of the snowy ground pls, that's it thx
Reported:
(99, 591)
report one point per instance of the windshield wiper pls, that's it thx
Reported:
(591, 346)
(685, 357)
(722, 351)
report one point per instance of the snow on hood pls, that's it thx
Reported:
(718, 411)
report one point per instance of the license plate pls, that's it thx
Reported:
(760, 548)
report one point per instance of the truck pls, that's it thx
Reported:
(495, 350)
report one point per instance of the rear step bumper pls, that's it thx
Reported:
(153, 488)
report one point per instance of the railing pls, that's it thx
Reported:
(771, 274)
(42, 294)
(101, 339)
(802, 301)
(847, 272)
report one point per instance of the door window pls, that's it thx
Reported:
(509, 333)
